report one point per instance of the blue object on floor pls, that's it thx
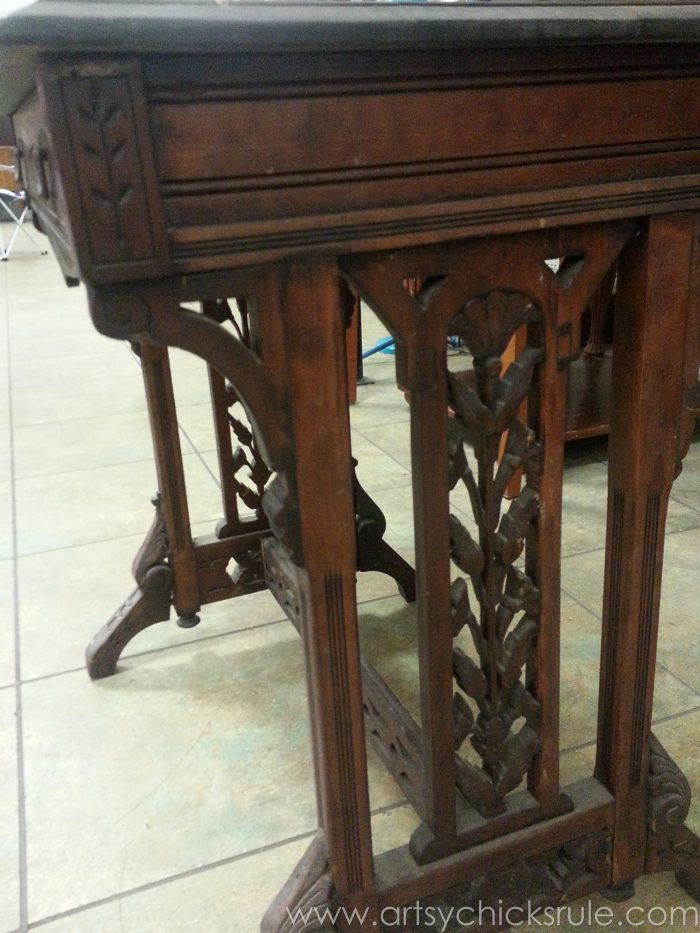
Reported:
(385, 345)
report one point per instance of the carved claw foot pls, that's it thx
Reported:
(373, 552)
(670, 844)
(149, 603)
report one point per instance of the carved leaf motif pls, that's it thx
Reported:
(519, 751)
(457, 465)
(476, 417)
(514, 455)
(463, 718)
(514, 386)
(244, 435)
(466, 553)
(516, 650)
(475, 784)
(468, 675)
(462, 612)
(485, 409)
(520, 595)
(515, 524)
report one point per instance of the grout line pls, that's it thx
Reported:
(198, 870)
(191, 641)
(131, 534)
(408, 469)
(685, 505)
(679, 679)
(661, 720)
(672, 716)
(21, 802)
(199, 453)
(594, 615)
(578, 748)
(170, 879)
(99, 466)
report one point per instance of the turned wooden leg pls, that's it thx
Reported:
(149, 603)
(321, 518)
(656, 300)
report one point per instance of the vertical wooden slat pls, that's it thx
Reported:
(543, 560)
(428, 388)
(160, 399)
(322, 474)
(650, 326)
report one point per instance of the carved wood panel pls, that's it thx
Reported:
(489, 650)
(505, 597)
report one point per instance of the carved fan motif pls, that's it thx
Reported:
(503, 624)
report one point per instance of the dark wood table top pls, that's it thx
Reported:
(221, 25)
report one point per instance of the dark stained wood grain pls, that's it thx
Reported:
(189, 153)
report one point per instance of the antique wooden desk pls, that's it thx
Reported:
(203, 152)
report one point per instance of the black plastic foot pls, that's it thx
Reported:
(619, 892)
(189, 621)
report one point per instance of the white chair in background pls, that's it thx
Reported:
(13, 205)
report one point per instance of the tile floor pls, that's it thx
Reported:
(178, 795)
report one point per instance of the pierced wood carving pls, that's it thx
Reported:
(547, 879)
(670, 843)
(244, 472)
(505, 630)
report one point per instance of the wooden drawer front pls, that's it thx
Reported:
(268, 138)
(37, 167)
(255, 176)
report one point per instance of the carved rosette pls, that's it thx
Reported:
(503, 625)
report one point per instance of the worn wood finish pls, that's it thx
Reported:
(458, 148)
(656, 271)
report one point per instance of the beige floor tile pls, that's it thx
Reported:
(394, 439)
(4, 405)
(576, 764)
(6, 535)
(378, 404)
(231, 898)
(116, 360)
(34, 336)
(74, 508)
(193, 755)
(66, 596)
(679, 641)
(377, 470)
(197, 422)
(5, 455)
(191, 386)
(9, 823)
(7, 630)
(81, 444)
(37, 405)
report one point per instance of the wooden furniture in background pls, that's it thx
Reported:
(462, 147)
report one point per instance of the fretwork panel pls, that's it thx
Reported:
(487, 584)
